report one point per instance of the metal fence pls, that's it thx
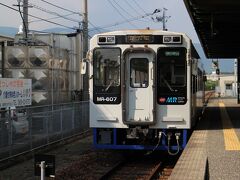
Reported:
(29, 128)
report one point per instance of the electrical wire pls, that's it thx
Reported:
(74, 12)
(53, 13)
(51, 18)
(129, 20)
(96, 28)
(51, 22)
(134, 9)
(121, 14)
(158, 143)
(122, 8)
(129, 4)
(139, 6)
(61, 16)
(38, 17)
(80, 14)
(46, 32)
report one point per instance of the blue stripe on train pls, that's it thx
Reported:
(135, 147)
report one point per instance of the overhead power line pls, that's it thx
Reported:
(96, 28)
(53, 13)
(68, 10)
(156, 11)
(80, 14)
(139, 6)
(52, 18)
(121, 14)
(129, 4)
(122, 8)
(134, 9)
(38, 17)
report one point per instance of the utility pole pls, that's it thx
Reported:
(85, 27)
(85, 48)
(164, 19)
(25, 19)
(24, 16)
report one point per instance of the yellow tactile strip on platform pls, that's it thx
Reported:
(230, 137)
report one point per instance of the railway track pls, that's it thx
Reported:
(166, 172)
(137, 169)
(142, 168)
(115, 165)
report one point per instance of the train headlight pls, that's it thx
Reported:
(106, 39)
(172, 39)
(102, 40)
(111, 39)
(176, 39)
(167, 39)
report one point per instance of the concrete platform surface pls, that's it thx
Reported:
(223, 139)
(215, 144)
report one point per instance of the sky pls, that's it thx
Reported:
(109, 14)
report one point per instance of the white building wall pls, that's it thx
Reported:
(227, 84)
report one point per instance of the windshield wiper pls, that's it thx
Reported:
(168, 85)
(110, 84)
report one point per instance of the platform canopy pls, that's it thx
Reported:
(217, 23)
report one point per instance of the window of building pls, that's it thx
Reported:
(228, 86)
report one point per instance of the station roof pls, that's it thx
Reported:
(217, 23)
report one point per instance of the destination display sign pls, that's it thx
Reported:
(15, 92)
(140, 39)
(172, 53)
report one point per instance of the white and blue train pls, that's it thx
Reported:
(146, 89)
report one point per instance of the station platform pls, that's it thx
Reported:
(213, 151)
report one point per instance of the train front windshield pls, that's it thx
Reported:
(106, 77)
(171, 76)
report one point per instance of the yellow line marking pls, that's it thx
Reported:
(230, 137)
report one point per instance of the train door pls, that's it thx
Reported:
(139, 76)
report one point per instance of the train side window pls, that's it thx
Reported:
(139, 74)
(194, 84)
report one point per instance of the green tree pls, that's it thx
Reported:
(210, 85)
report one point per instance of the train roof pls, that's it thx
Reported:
(147, 32)
(141, 31)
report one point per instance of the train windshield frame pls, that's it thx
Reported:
(106, 75)
(171, 75)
